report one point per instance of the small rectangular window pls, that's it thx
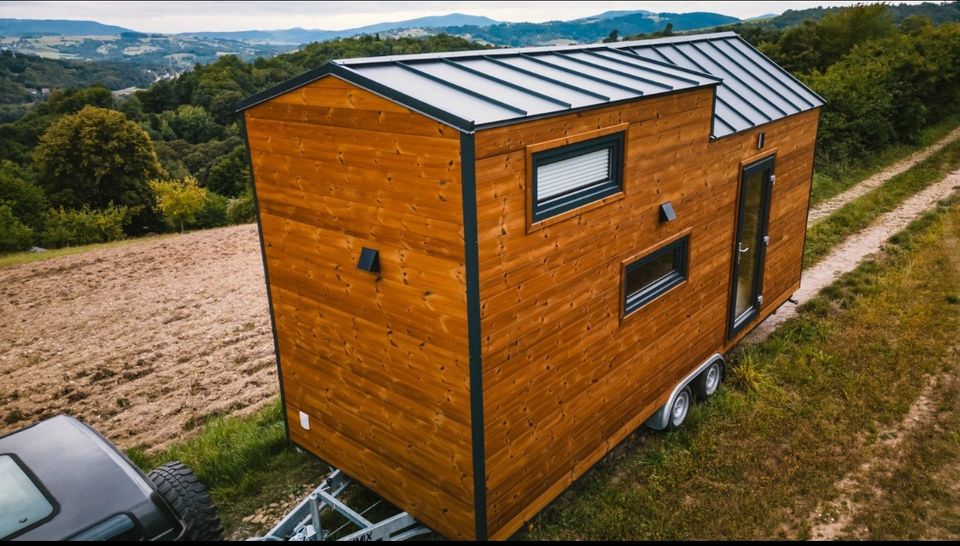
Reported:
(654, 274)
(570, 176)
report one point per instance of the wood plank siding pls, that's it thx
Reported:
(381, 362)
(378, 361)
(565, 377)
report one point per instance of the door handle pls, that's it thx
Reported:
(740, 250)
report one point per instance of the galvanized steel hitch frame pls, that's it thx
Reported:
(303, 522)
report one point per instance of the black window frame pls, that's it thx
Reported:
(681, 265)
(584, 195)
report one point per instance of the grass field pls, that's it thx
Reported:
(831, 180)
(799, 411)
(861, 212)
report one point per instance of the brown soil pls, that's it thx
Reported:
(143, 341)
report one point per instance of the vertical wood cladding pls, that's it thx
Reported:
(378, 362)
(565, 376)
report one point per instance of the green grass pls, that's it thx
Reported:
(861, 212)
(794, 416)
(831, 180)
(18, 258)
(245, 461)
(752, 462)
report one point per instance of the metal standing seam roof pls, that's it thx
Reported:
(473, 90)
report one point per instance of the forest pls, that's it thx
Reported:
(85, 167)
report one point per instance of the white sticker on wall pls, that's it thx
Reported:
(304, 421)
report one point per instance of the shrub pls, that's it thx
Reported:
(214, 211)
(179, 201)
(14, 235)
(241, 210)
(84, 226)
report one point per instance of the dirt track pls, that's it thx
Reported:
(143, 341)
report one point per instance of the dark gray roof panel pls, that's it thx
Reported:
(476, 89)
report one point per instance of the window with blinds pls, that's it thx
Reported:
(570, 176)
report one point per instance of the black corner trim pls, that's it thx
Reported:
(468, 185)
(331, 68)
(266, 274)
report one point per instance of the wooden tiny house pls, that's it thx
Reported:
(487, 268)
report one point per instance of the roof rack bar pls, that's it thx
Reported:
(768, 73)
(765, 99)
(470, 92)
(634, 55)
(734, 92)
(727, 87)
(666, 86)
(532, 74)
(581, 74)
(506, 83)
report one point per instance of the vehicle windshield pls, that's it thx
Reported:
(21, 502)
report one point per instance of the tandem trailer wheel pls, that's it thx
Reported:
(706, 383)
(680, 408)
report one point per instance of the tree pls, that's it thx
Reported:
(25, 199)
(96, 158)
(192, 123)
(14, 235)
(180, 200)
(229, 174)
(612, 37)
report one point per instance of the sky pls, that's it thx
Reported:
(174, 16)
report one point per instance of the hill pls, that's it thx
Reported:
(301, 36)
(64, 27)
(587, 29)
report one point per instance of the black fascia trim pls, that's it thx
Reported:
(266, 274)
(585, 194)
(464, 125)
(681, 260)
(468, 184)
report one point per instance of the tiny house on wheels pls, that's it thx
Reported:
(486, 268)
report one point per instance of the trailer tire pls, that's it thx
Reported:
(707, 382)
(190, 501)
(679, 409)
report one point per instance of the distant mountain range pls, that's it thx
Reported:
(484, 29)
(476, 27)
(297, 36)
(54, 27)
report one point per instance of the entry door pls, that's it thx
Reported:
(749, 250)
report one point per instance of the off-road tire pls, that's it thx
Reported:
(189, 499)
